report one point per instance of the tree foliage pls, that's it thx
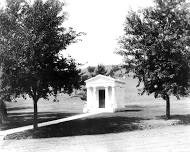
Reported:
(114, 69)
(101, 69)
(31, 40)
(156, 48)
(91, 69)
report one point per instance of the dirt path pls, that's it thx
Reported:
(168, 139)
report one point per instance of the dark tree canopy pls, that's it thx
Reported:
(114, 69)
(91, 69)
(101, 69)
(156, 48)
(31, 40)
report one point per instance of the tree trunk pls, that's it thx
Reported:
(3, 112)
(167, 107)
(35, 119)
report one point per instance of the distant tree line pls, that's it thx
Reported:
(111, 71)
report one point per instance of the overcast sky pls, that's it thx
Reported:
(102, 21)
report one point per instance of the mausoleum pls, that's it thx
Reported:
(104, 94)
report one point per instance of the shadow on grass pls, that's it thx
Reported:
(23, 119)
(129, 110)
(182, 119)
(19, 108)
(88, 126)
(134, 106)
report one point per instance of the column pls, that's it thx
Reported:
(107, 102)
(87, 107)
(88, 97)
(114, 104)
(94, 100)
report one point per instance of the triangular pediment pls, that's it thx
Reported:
(100, 79)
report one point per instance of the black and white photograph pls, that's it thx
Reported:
(94, 75)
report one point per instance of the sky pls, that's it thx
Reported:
(102, 21)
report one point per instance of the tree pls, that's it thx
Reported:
(31, 40)
(156, 49)
(91, 71)
(100, 69)
(113, 70)
(3, 112)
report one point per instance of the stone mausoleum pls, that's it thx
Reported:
(104, 94)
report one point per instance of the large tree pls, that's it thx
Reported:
(32, 37)
(155, 46)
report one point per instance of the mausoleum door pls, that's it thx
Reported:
(102, 98)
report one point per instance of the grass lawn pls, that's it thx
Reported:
(141, 112)
(134, 117)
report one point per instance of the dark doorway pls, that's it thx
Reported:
(101, 98)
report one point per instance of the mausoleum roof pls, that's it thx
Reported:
(104, 78)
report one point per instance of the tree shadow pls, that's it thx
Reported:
(18, 108)
(87, 126)
(134, 107)
(129, 110)
(182, 119)
(15, 120)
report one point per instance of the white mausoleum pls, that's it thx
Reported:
(104, 94)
